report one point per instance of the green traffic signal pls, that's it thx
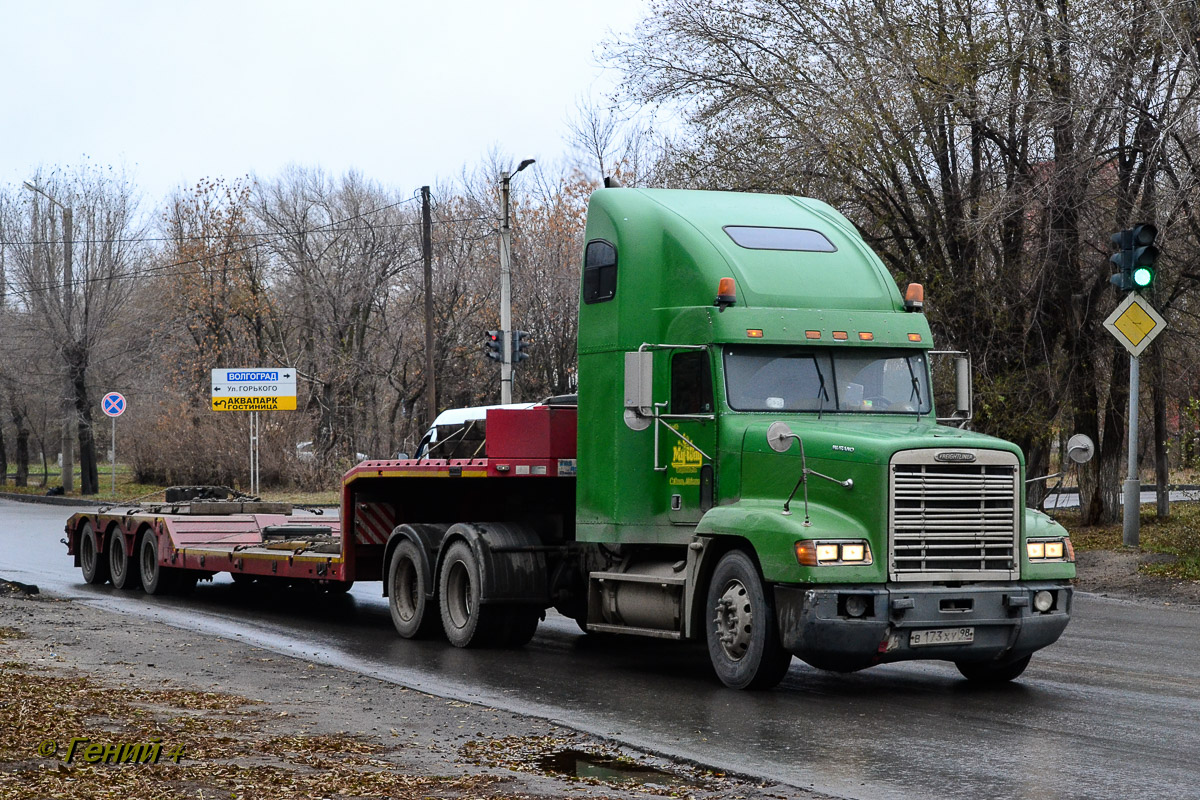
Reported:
(1135, 258)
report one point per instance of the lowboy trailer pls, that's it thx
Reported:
(753, 460)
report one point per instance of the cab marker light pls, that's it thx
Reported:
(840, 336)
(754, 333)
(914, 337)
(866, 337)
(812, 334)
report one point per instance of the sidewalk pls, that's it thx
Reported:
(235, 721)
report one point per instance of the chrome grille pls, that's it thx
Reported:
(954, 521)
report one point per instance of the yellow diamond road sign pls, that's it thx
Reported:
(1135, 323)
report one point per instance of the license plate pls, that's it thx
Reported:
(941, 636)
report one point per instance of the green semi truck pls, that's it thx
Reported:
(753, 459)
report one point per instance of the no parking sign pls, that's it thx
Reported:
(113, 404)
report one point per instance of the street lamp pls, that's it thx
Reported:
(506, 283)
(68, 465)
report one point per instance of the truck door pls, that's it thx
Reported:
(690, 470)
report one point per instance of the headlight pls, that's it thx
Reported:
(1050, 550)
(856, 552)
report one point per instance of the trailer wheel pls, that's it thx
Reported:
(465, 621)
(743, 640)
(156, 579)
(414, 612)
(988, 672)
(184, 581)
(93, 565)
(124, 574)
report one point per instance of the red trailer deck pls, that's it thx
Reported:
(172, 545)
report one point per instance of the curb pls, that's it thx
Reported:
(53, 500)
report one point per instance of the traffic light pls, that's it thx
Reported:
(493, 345)
(520, 346)
(1135, 259)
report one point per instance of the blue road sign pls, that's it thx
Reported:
(113, 404)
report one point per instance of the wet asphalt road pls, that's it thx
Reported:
(1111, 711)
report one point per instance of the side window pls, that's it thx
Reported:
(599, 272)
(691, 383)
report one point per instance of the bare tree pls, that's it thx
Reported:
(108, 257)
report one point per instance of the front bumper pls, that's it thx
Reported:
(815, 623)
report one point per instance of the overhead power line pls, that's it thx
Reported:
(164, 270)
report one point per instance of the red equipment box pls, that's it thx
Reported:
(538, 432)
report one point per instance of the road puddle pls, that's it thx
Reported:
(579, 764)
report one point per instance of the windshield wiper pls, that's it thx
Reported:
(916, 385)
(822, 393)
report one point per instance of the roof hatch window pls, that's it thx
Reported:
(758, 238)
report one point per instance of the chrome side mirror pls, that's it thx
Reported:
(779, 437)
(1080, 448)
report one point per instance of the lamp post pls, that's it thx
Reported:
(68, 465)
(506, 284)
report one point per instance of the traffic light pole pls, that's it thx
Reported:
(505, 296)
(1133, 487)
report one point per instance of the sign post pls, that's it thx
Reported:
(254, 389)
(1135, 324)
(114, 406)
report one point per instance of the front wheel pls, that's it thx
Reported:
(987, 672)
(743, 639)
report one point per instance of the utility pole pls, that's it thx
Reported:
(506, 284)
(68, 303)
(427, 254)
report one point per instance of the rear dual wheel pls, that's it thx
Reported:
(123, 569)
(157, 578)
(92, 563)
(414, 611)
(465, 621)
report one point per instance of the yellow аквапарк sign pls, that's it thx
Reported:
(285, 403)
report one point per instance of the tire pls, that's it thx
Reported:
(121, 568)
(92, 563)
(184, 581)
(520, 625)
(465, 622)
(414, 613)
(155, 578)
(988, 672)
(743, 637)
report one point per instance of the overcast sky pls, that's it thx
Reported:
(406, 92)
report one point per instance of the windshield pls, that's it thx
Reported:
(821, 379)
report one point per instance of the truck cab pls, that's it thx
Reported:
(757, 423)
